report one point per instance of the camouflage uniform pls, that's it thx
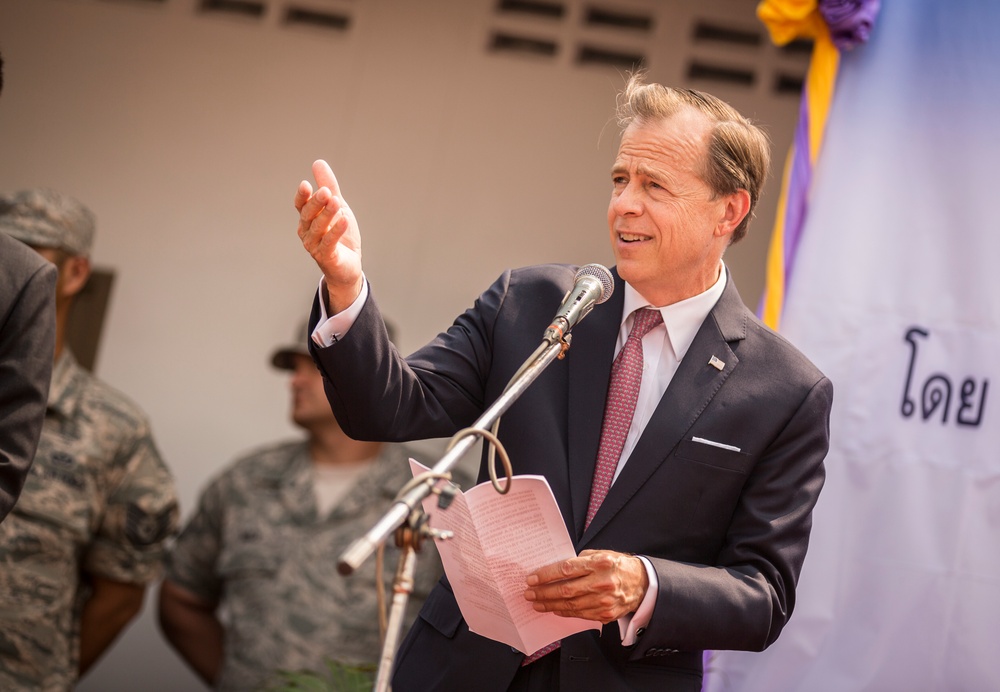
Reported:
(98, 501)
(258, 549)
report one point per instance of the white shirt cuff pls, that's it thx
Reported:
(331, 328)
(630, 625)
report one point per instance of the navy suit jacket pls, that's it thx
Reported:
(725, 530)
(27, 342)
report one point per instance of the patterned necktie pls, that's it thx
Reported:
(623, 392)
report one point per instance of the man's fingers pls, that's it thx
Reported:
(318, 210)
(338, 223)
(560, 581)
(328, 242)
(577, 598)
(302, 195)
(310, 204)
(324, 176)
(596, 585)
(558, 571)
(326, 228)
(317, 213)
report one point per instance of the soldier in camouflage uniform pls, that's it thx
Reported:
(88, 532)
(263, 545)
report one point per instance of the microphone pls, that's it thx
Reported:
(593, 285)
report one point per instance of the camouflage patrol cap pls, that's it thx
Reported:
(46, 218)
(284, 357)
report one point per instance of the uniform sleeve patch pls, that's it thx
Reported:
(144, 529)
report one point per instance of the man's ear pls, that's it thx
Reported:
(74, 274)
(736, 207)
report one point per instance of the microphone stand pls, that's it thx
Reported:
(407, 514)
(402, 587)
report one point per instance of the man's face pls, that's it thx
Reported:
(668, 231)
(309, 404)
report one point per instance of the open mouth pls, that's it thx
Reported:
(631, 238)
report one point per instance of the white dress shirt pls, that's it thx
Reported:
(663, 348)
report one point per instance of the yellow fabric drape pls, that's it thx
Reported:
(787, 20)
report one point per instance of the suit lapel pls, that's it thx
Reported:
(589, 359)
(693, 386)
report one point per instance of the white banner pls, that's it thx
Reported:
(895, 295)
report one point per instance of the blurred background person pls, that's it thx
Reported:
(251, 584)
(27, 340)
(88, 532)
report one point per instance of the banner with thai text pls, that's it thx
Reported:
(896, 297)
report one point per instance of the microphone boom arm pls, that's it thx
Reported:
(359, 550)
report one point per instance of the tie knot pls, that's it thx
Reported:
(644, 320)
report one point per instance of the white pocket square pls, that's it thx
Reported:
(711, 443)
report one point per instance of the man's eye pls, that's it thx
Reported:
(619, 180)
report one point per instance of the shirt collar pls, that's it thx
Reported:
(682, 319)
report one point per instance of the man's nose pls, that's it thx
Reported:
(299, 375)
(628, 202)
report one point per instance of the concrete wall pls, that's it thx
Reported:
(187, 132)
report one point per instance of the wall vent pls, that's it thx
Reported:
(788, 84)
(299, 16)
(590, 55)
(243, 8)
(699, 71)
(800, 46)
(536, 8)
(510, 43)
(706, 31)
(599, 17)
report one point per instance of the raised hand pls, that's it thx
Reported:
(330, 234)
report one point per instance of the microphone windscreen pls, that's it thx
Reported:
(602, 274)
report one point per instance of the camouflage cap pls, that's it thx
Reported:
(284, 357)
(46, 218)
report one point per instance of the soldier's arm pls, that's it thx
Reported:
(111, 606)
(191, 626)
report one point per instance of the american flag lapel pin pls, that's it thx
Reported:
(716, 363)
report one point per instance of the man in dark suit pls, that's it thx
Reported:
(699, 540)
(27, 341)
